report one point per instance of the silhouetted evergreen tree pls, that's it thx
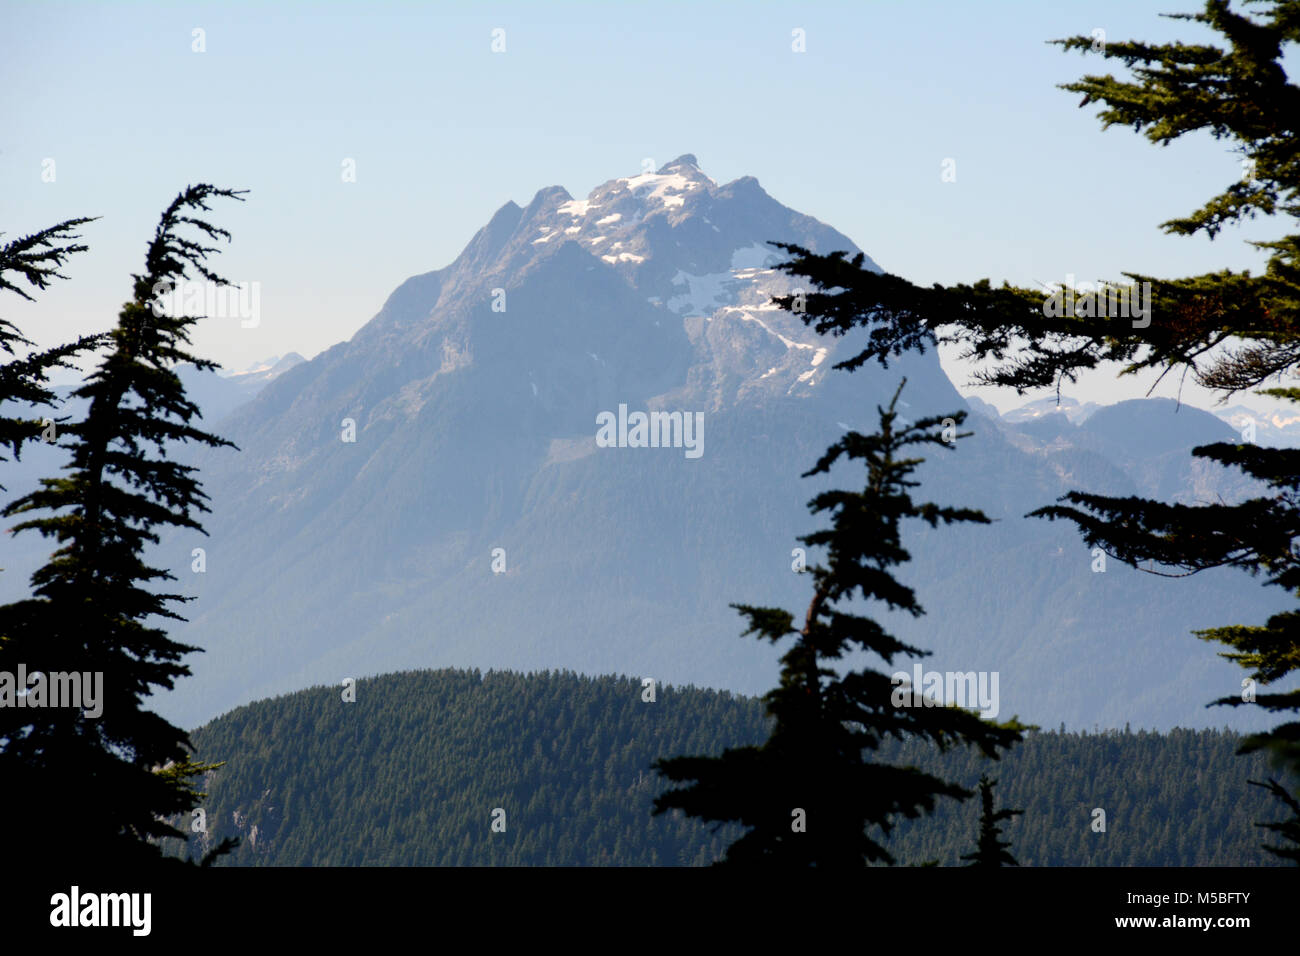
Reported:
(77, 787)
(1230, 331)
(809, 795)
(991, 851)
(1289, 829)
(36, 260)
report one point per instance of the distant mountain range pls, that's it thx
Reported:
(432, 493)
(1144, 443)
(219, 395)
(1274, 424)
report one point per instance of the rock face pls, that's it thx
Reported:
(431, 492)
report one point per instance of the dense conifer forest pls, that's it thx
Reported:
(414, 771)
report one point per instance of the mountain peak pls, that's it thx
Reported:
(686, 159)
(510, 212)
(694, 267)
(542, 199)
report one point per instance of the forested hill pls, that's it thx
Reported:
(412, 772)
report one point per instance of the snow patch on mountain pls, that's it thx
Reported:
(577, 208)
(662, 184)
(755, 258)
(745, 316)
(704, 294)
(716, 291)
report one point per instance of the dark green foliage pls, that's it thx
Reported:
(1230, 331)
(1175, 799)
(809, 795)
(410, 773)
(1289, 829)
(990, 850)
(35, 259)
(408, 776)
(98, 787)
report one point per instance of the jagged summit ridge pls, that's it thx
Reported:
(696, 252)
(686, 159)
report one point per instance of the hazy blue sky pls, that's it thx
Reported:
(443, 132)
